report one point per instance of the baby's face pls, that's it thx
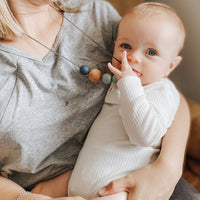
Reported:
(151, 45)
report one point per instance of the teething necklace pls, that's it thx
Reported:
(94, 75)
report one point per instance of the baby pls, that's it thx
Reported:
(140, 108)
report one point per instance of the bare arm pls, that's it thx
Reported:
(10, 191)
(175, 141)
(157, 180)
(48, 187)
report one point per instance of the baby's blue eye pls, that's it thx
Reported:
(151, 52)
(126, 46)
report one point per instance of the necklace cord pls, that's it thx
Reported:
(52, 50)
(85, 34)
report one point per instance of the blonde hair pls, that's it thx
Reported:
(9, 26)
(150, 8)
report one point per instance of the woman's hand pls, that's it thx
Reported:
(56, 187)
(152, 182)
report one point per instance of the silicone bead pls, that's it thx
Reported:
(114, 79)
(106, 78)
(95, 75)
(84, 70)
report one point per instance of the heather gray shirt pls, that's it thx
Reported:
(46, 106)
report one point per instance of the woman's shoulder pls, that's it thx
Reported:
(98, 19)
(87, 3)
(97, 8)
(100, 4)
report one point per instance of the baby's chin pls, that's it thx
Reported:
(148, 82)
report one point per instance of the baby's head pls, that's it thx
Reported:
(153, 35)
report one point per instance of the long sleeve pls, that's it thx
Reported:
(147, 111)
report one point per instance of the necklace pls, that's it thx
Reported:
(94, 75)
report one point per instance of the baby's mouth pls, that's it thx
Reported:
(139, 74)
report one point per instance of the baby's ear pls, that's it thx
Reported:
(174, 63)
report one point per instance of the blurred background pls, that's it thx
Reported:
(187, 75)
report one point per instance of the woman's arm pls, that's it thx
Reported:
(56, 187)
(11, 191)
(157, 180)
(175, 141)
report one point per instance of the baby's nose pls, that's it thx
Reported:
(134, 58)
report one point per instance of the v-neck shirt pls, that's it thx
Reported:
(46, 105)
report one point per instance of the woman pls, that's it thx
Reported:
(47, 106)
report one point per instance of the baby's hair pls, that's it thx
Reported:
(153, 8)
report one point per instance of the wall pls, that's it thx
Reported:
(187, 75)
(122, 6)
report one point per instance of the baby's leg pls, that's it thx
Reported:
(117, 196)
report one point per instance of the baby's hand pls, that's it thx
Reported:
(126, 69)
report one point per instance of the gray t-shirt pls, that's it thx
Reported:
(46, 106)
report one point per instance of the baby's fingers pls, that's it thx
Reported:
(114, 70)
(125, 63)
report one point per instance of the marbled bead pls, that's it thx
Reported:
(114, 79)
(106, 78)
(95, 75)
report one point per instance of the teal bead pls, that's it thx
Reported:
(106, 78)
(114, 79)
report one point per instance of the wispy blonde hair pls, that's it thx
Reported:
(150, 8)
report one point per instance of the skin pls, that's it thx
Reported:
(143, 45)
(31, 12)
(160, 176)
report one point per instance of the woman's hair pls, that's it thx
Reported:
(9, 26)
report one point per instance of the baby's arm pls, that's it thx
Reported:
(148, 112)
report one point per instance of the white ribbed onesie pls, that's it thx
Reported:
(126, 135)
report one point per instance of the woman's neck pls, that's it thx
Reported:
(32, 15)
(40, 21)
(27, 6)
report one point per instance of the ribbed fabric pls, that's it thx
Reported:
(126, 135)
